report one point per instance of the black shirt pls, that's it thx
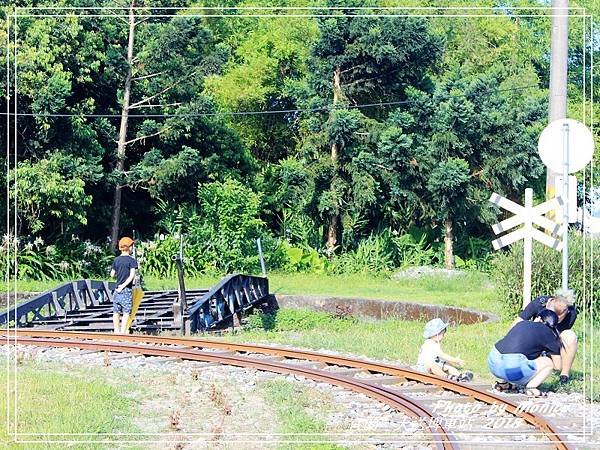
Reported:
(537, 304)
(122, 266)
(529, 339)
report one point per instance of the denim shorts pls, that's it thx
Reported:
(122, 301)
(513, 367)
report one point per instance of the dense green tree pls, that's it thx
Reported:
(71, 69)
(289, 189)
(402, 163)
(483, 136)
(49, 189)
(162, 73)
(55, 61)
(265, 74)
(358, 61)
(455, 109)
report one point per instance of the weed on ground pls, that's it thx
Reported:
(400, 341)
(52, 405)
(294, 406)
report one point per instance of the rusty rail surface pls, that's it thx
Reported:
(534, 419)
(441, 438)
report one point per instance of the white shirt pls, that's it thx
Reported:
(430, 350)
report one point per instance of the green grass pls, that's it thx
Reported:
(469, 290)
(50, 400)
(291, 403)
(30, 285)
(393, 339)
(400, 341)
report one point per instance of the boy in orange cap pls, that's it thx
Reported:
(123, 268)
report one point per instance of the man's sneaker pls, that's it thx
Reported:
(564, 379)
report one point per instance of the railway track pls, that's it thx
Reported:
(402, 388)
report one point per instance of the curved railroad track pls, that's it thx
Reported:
(188, 348)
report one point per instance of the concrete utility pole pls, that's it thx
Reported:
(558, 74)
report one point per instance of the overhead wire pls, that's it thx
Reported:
(273, 111)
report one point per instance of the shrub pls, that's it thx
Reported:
(66, 259)
(155, 258)
(478, 255)
(546, 278)
(412, 249)
(227, 226)
(220, 234)
(302, 259)
(372, 255)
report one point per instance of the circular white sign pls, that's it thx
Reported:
(581, 145)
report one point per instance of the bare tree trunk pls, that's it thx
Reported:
(334, 219)
(448, 244)
(121, 146)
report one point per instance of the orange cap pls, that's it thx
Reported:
(125, 243)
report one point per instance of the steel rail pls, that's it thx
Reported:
(441, 438)
(534, 419)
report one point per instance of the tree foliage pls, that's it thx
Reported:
(325, 132)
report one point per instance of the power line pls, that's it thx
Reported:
(284, 8)
(267, 112)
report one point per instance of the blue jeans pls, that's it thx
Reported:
(513, 367)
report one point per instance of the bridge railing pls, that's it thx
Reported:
(233, 294)
(71, 296)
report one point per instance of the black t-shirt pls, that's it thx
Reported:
(530, 339)
(122, 266)
(537, 304)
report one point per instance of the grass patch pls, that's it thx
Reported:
(395, 340)
(52, 401)
(399, 340)
(471, 289)
(390, 339)
(291, 403)
(297, 320)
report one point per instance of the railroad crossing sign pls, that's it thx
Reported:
(578, 141)
(575, 142)
(528, 216)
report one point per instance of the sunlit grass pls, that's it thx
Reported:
(394, 340)
(51, 404)
(399, 341)
(291, 403)
(471, 289)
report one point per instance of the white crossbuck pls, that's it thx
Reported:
(527, 215)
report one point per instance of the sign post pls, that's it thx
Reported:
(565, 221)
(527, 247)
(566, 146)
